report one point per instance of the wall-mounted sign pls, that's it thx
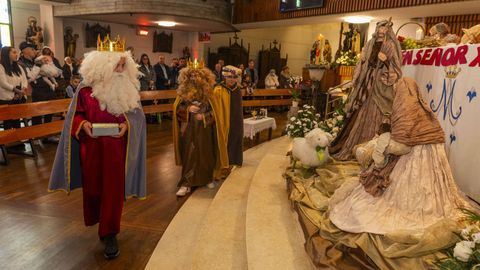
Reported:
(290, 5)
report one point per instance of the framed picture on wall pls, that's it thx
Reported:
(291, 5)
(204, 37)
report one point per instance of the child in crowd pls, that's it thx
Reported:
(48, 71)
(74, 82)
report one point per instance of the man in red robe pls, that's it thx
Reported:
(111, 167)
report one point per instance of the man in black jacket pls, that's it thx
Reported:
(162, 72)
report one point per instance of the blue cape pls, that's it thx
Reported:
(66, 171)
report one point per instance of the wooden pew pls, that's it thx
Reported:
(156, 96)
(28, 110)
(260, 98)
(280, 97)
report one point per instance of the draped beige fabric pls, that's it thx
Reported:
(413, 122)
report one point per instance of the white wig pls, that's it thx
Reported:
(98, 67)
(117, 92)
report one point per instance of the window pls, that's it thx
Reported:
(5, 24)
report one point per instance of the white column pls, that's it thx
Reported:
(52, 31)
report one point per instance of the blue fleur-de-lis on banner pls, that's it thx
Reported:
(452, 138)
(471, 94)
(429, 87)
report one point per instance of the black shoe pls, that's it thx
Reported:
(111, 247)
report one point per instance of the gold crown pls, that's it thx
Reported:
(195, 64)
(451, 72)
(108, 45)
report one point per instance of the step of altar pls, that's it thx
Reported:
(274, 238)
(221, 243)
(208, 232)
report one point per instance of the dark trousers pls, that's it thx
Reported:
(13, 123)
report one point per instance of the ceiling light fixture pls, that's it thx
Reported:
(357, 19)
(167, 23)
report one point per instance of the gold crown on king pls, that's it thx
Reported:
(451, 72)
(196, 64)
(108, 45)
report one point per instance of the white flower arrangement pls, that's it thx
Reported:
(347, 58)
(466, 253)
(305, 120)
(334, 124)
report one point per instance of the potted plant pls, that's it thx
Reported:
(295, 97)
(296, 92)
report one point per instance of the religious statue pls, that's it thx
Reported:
(327, 52)
(186, 53)
(34, 33)
(347, 42)
(70, 42)
(356, 41)
(316, 54)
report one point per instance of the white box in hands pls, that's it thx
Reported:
(105, 129)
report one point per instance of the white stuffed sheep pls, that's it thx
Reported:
(312, 150)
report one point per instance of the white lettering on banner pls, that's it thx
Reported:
(448, 78)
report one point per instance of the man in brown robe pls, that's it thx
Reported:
(200, 128)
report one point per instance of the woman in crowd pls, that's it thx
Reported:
(13, 82)
(148, 77)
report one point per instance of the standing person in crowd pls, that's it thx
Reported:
(200, 128)
(47, 51)
(242, 68)
(148, 77)
(13, 82)
(174, 73)
(271, 81)
(162, 72)
(221, 62)
(181, 64)
(110, 168)
(69, 69)
(231, 85)
(41, 91)
(285, 78)
(59, 91)
(252, 72)
(27, 62)
(72, 87)
(218, 73)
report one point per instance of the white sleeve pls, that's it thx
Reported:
(33, 74)
(3, 80)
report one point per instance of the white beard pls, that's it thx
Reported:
(117, 95)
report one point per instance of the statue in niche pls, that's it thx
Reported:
(327, 52)
(316, 54)
(347, 42)
(92, 32)
(356, 42)
(34, 33)
(186, 53)
(70, 42)
(162, 42)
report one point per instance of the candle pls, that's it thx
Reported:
(419, 34)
